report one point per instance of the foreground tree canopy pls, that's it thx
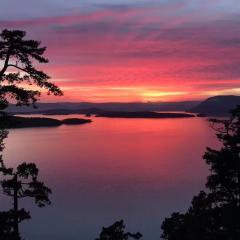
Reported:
(17, 184)
(215, 214)
(18, 55)
(117, 232)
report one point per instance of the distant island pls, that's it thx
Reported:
(213, 106)
(145, 115)
(65, 108)
(27, 122)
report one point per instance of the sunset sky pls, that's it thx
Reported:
(145, 50)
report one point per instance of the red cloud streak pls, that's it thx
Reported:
(139, 54)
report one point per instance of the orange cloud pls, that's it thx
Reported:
(140, 53)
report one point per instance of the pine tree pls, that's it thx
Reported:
(19, 184)
(18, 56)
(214, 214)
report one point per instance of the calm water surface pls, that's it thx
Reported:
(139, 170)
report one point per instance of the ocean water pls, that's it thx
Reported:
(139, 170)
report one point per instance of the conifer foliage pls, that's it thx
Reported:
(19, 56)
(214, 214)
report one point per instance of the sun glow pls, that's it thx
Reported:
(159, 95)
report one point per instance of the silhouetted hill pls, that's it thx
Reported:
(96, 108)
(144, 115)
(217, 106)
(72, 111)
(21, 122)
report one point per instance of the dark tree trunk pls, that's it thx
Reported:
(15, 210)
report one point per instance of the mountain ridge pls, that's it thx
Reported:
(217, 105)
(213, 106)
(68, 107)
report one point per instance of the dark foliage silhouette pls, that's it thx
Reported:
(18, 56)
(214, 214)
(117, 232)
(18, 184)
(5, 226)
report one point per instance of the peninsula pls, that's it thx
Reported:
(27, 122)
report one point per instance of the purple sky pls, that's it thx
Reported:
(135, 50)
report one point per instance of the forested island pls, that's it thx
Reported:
(22, 122)
(147, 114)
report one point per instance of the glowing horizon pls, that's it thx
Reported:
(126, 52)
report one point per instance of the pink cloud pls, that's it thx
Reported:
(140, 48)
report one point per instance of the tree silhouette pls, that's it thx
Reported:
(5, 220)
(17, 55)
(23, 183)
(214, 214)
(117, 232)
(18, 184)
(5, 226)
